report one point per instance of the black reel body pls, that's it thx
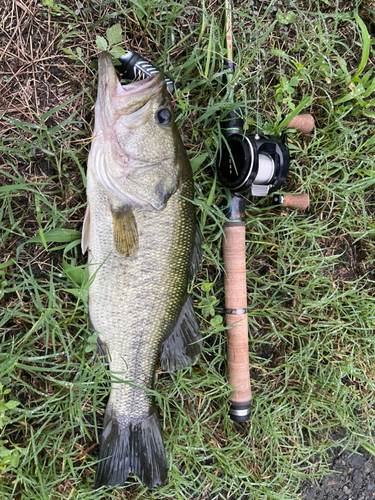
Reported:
(251, 162)
(255, 163)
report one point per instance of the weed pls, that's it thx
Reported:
(310, 275)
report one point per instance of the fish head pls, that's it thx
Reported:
(142, 159)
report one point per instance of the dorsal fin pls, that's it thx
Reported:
(182, 347)
(196, 256)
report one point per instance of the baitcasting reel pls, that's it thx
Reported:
(258, 164)
(251, 162)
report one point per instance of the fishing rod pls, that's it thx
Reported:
(257, 165)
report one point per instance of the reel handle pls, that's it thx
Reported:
(296, 201)
(302, 123)
(236, 318)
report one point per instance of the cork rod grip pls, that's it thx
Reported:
(236, 318)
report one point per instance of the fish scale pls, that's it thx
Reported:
(140, 229)
(138, 291)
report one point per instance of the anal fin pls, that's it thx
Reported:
(101, 348)
(102, 352)
(183, 345)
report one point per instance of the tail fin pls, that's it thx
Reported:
(131, 445)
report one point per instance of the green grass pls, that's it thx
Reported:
(310, 275)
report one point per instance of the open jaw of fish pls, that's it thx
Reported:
(144, 246)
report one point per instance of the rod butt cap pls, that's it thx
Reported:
(240, 412)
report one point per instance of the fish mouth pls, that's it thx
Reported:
(153, 84)
(137, 96)
(126, 99)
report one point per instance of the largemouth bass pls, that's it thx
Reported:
(140, 229)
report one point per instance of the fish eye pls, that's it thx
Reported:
(163, 116)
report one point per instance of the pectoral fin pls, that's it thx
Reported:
(125, 234)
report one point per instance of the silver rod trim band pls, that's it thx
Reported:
(240, 413)
(236, 311)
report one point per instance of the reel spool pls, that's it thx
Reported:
(251, 162)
